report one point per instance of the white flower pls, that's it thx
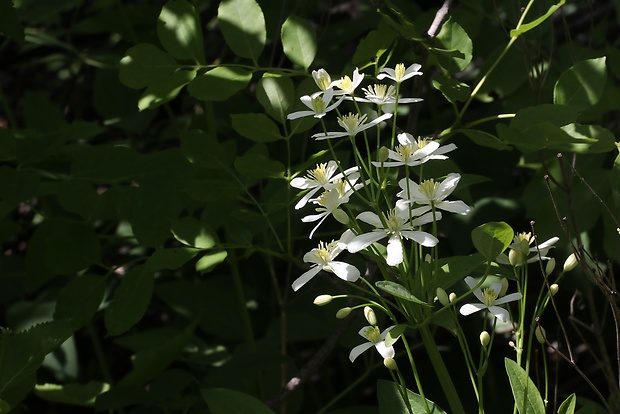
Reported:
(489, 300)
(520, 250)
(430, 193)
(398, 227)
(322, 177)
(322, 79)
(375, 338)
(323, 257)
(399, 74)
(380, 94)
(414, 152)
(352, 124)
(319, 105)
(346, 85)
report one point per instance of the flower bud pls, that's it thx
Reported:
(570, 263)
(553, 289)
(343, 313)
(504, 283)
(515, 258)
(370, 316)
(550, 266)
(390, 364)
(485, 338)
(383, 154)
(322, 300)
(452, 297)
(540, 334)
(341, 216)
(442, 296)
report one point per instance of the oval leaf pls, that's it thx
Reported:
(80, 299)
(130, 300)
(491, 239)
(243, 26)
(180, 31)
(144, 65)
(256, 127)
(391, 401)
(524, 390)
(219, 84)
(582, 85)
(399, 291)
(569, 404)
(224, 401)
(277, 95)
(299, 41)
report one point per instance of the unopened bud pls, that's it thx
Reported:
(485, 338)
(515, 258)
(343, 313)
(550, 266)
(553, 289)
(442, 296)
(504, 283)
(383, 154)
(540, 334)
(390, 363)
(341, 216)
(322, 300)
(570, 263)
(370, 316)
(452, 296)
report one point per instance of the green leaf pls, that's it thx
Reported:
(5, 408)
(454, 47)
(207, 262)
(69, 246)
(17, 186)
(394, 333)
(491, 239)
(243, 26)
(485, 139)
(10, 25)
(529, 26)
(299, 41)
(193, 233)
(277, 95)
(172, 258)
(219, 84)
(452, 89)
(74, 394)
(180, 31)
(587, 139)
(526, 395)
(79, 300)
(399, 291)
(256, 127)
(257, 166)
(224, 401)
(80, 198)
(569, 404)
(130, 300)
(454, 269)
(373, 46)
(145, 65)
(582, 85)
(391, 401)
(203, 150)
(165, 90)
(558, 115)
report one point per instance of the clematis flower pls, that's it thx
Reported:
(322, 258)
(319, 105)
(414, 152)
(322, 177)
(431, 194)
(380, 95)
(399, 73)
(375, 338)
(397, 227)
(353, 124)
(348, 86)
(322, 79)
(489, 299)
(520, 249)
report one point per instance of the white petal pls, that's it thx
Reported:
(314, 217)
(388, 163)
(458, 206)
(409, 100)
(317, 226)
(345, 271)
(303, 183)
(426, 218)
(405, 138)
(394, 251)
(547, 244)
(385, 351)
(358, 350)
(370, 218)
(304, 200)
(305, 278)
(500, 313)
(299, 114)
(421, 237)
(364, 240)
(448, 185)
(469, 308)
(445, 149)
(508, 298)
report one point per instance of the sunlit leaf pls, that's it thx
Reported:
(299, 41)
(256, 127)
(491, 239)
(219, 84)
(243, 26)
(180, 31)
(526, 395)
(582, 85)
(144, 65)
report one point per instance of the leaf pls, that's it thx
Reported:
(454, 269)
(165, 90)
(10, 25)
(394, 333)
(558, 115)
(277, 95)
(391, 401)
(79, 300)
(299, 41)
(69, 245)
(485, 139)
(529, 26)
(587, 139)
(207, 262)
(454, 47)
(256, 127)
(452, 89)
(243, 26)
(193, 233)
(257, 166)
(225, 401)
(172, 258)
(399, 291)
(524, 390)
(219, 84)
(373, 46)
(569, 404)
(201, 149)
(75, 394)
(130, 300)
(180, 31)
(144, 65)
(17, 186)
(80, 198)
(582, 85)
(491, 239)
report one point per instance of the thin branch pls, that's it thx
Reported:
(439, 18)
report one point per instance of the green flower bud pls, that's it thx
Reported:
(370, 316)
(442, 296)
(322, 300)
(341, 216)
(343, 313)
(550, 266)
(553, 289)
(390, 364)
(452, 297)
(485, 338)
(383, 154)
(540, 334)
(504, 283)
(570, 263)
(515, 258)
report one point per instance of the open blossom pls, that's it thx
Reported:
(397, 227)
(520, 249)
(322, 79)
(430, 193)
(399, 73)
(375, 338)
(414, 152)
(319, 105)
(489, 299)
(347, 86)
(323, 258)
(353, 124)
(324, 176)
(380, 94)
